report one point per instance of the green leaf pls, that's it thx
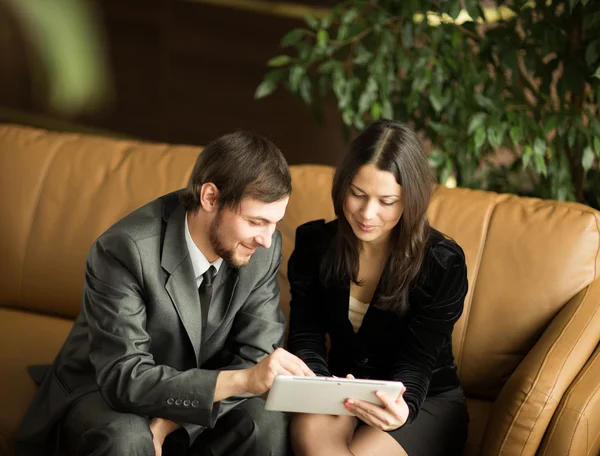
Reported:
(550, 125)
(306, 90)
(476, 121)
(312, 22)
(407, 35)
(594, 124)
(587, 160)
(387, 110)
(266, 87)
(540, 164)
(349, 16)
(322, 38)
(484, 102)
(597, 146)
(495, 134)
(472, 9)
(362, 56)
(437, 100)
(455, 9)
(326, 21)
(526, 158)
(539, 147)
(376, 111)
(296, 74)
(516, 133)
(479, 137)
(280, 60)
(571, 137)
(328, 66)
(436, 158)
(292, 37)
(592, 51)
(442, 129)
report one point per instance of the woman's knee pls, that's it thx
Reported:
(319, 434)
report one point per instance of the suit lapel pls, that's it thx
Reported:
(181, 283)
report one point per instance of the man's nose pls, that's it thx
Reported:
(264, 239)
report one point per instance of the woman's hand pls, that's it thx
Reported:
(388, 417)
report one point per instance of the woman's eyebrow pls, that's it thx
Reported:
(380, 196)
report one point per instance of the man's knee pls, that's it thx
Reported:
(131, 436)
(128, 435)
(250, 429)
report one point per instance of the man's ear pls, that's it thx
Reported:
(209, 197)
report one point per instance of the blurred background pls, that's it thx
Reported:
(504, 94)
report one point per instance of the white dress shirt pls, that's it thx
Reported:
(199, 261)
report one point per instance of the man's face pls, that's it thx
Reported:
(235, 235)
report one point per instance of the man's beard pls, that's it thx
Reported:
(216, 242)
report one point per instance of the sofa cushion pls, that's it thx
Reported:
(26, 339)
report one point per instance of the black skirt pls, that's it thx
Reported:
(439, 429)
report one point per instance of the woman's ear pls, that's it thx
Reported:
(209, 197)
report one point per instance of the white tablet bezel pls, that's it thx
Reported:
(325, 395)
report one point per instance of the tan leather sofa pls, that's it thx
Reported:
(526, 346)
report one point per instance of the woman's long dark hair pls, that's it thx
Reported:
(394, 147)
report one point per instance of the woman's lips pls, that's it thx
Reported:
(366, 228)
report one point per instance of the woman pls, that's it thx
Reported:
(387, 289)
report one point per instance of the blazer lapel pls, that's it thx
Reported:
(181, 283)
(223, 289)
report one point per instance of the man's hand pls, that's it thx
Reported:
(388, 417)
(161, 428)
(259, 378)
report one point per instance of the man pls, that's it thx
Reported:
(179, 318)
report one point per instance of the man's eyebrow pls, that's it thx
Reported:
(262, 219)
(380, 196)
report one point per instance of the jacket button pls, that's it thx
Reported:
(170, 401)
(186, 403)
(195, 403)
(178, 402)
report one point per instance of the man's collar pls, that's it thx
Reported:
(199, 261)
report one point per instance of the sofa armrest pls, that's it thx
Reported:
(575, 427)
(528, 400)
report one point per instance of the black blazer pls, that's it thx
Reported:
(414, 348)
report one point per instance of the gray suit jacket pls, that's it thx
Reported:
(138, 338)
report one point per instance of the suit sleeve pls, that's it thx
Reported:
(126, 373)
(307, 314)
(430, 322)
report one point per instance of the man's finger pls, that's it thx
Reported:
(287, 359)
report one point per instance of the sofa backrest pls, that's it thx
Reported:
(526, 257)
(59, 193)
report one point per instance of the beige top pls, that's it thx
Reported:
(356, 312)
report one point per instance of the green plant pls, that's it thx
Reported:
(508, 96)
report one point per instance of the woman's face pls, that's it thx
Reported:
(373, 204)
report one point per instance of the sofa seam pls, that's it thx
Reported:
(54, 153)
(562, 366)
(477, 270)
(533, 388)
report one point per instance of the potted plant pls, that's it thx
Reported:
(507, 95)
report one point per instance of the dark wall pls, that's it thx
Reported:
(186, 72)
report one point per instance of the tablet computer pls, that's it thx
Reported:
(325, 395)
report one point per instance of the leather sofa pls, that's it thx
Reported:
(526, 345)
